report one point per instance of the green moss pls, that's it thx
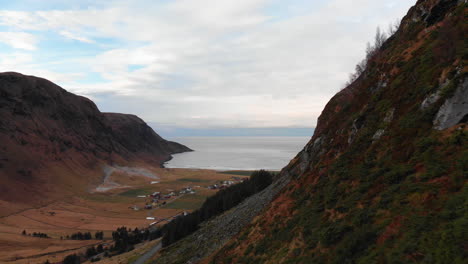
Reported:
(397, 173)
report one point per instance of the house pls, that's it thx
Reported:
(148, 206)
(134, 207)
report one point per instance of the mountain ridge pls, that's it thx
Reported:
(383, 179)
(55, 140)
(380, 181)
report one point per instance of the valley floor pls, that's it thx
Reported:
(103, 211)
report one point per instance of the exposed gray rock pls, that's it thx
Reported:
(420, 14)
(434, 97)
(378, 134)
(389, 116)
(430, 100)
(382, 83)
(357, 124)
(304, 161)
(454, 110)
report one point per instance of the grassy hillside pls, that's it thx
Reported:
(380, 181)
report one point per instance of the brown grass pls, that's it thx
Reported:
(91, 212)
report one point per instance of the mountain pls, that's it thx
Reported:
(383, 179)
(53, 141)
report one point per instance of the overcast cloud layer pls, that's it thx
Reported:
(196, 63)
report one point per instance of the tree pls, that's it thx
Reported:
(379, 39)
(393, 27)
(99, 235)
(23, 233)
(91, 251)
(99, 248)
(71, 259)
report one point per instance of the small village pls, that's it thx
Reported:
(157, 199)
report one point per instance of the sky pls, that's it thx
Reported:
(196, 64)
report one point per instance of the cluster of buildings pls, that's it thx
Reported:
(157, 197)
(224, 184)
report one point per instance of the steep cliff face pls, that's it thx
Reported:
(383, 179)
(52, 139)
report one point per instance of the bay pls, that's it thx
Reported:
(237, 153)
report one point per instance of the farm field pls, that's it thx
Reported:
(105, 211)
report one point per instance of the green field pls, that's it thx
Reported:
(106, 198)
(187, 202)
(135, 192)
(240, 173)
(193, 180)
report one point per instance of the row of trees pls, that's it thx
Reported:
(220, 202)
(372, 49)
(92, 251)
(86, 236)
(81, 236)
(41, 235)
(35, 234)
(75, 236)
(124, 241)
(99, 235)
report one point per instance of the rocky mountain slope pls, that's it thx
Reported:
(53, 140)
(383, 179)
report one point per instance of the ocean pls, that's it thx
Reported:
(237, 153)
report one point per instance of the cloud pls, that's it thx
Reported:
(71, 35)
(19, 40)
(210, 63)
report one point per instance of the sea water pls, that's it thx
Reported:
(237, 153)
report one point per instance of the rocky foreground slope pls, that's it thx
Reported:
(53, 141)
(383, 179)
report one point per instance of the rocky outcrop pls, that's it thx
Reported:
(454, 110)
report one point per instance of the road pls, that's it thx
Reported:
(145, 257)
